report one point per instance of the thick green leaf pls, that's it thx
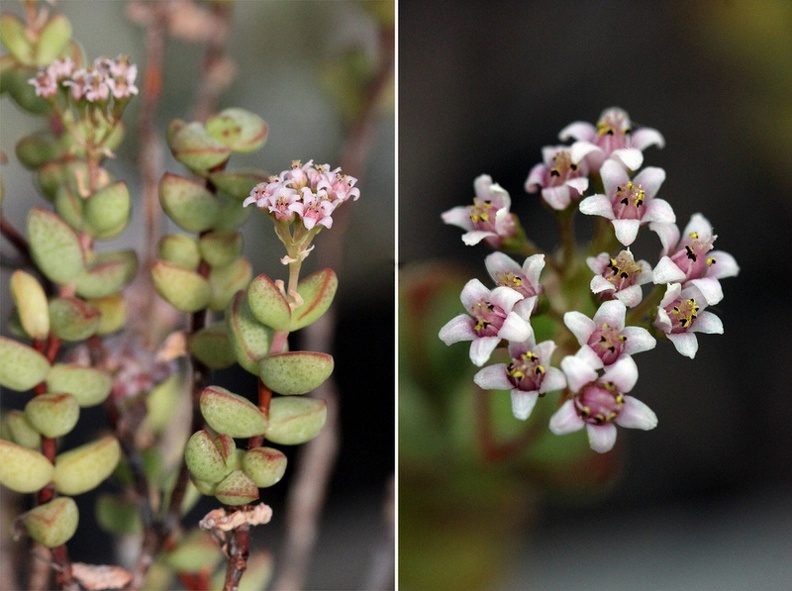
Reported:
(55, 246)
(86, 467)
(181, 250)
(72, 319)
(188, 203)
(231, 414)
(107, 211)
(118, 515)
(53, 40)
(211, 346)
(250, 340)
(296, 372)
(237, 489)
(88, 385)
(240, 130)
(21, 367)
(191, 145)
(107, 274)
(227, 281)
(23, 470)
(21, 431)
(37, 149)
(53, 414)
(185, 290)
(31, 302)
(220, 248)
(113, 310)
(207, 457)
(295, 420)
(265, 465)
(238, 183)
(317, 291)
(13, 37)
(268, 303)
(53, 523)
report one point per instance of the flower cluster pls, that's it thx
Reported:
(597, 369)
(94, 84)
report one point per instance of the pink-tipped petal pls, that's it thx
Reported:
(636, 415)
(493, 377)
(523, 403)
(535, 179)
(566, 420)
(601, 438)
(579, 130)
(458, 216)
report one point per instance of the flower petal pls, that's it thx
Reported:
(566, 420)
(638, 340)
(523, 403)
(579, 130)
(558, 197)
(725, 265)
(580, 325)
(685, 343)
(650, 179)
(474, 291)
(707, 323)
(623, 374)
(597, 205)
(515, 328)
(659, 210)
(629, 296)
(613, 175)
(668, 234)
(459, 328)
(632, 158)
(481, 348)
(578, 372)
(710, 288)
(626, 230)
(498, 262)
(611, 313)
(636, 415)
(458, 216)
(493, 377)
(601, 438)
(554, 380)
(667, 271)
(645, 137)
(474, 237)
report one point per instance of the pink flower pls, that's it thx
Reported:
(488, 218)
(599, 402)
(340, 187)
(606, 334)
(681, 314)
(502, 313)
(691, 261)
(561, 179)
(45, 83)
(629, 203)
(529, 375)
(619, 277)
(507, 272)
(313, 210)
(612, 138)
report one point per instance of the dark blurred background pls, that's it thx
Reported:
(286, 57)
(704, 501)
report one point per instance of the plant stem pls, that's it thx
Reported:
(239, 550)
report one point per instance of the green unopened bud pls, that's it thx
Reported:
(89, 386)
(23, 470)
(185, 290)
(84, 468)
(107, 274)
(237, 489)
(22, 367)
(265, 465)
(180, 250)
(250, 340)
(55, 247)
(72, 319)
(211, 346)
(297, 372)
(21, 431)
(317, 292)
(207, 457)
(31, 302)
(188, 203)
(227, 281)
(54, 523)
(268, 303)
(237, 183)
(240, 130)
(295, 420)
(231, 414)
(107, 211)
(191, 145)
(53, 414)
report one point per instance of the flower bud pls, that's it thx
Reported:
(31, 302)
(54, 523)
(84, 468)
(295, 420)
(53, 414)
(297, 372)
(23, 470)
(231, 414)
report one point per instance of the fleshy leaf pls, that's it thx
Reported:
(53, 39)
(186, 290)
(88, 385)
(191, 145)
(188, 203)
(15, 81)
(231, 414)
(13, 37)
(237, 183)
(240, 130)
(196, 552)
(265, 465)
(295, 420)
(107, 211)
(31, 302)
(230, 215)
(35, 150)
(268, 304)
(296, 372)
(21, 431)
(250, 340)
(118, 515)
(220, 248)
(107, 274)
(181, 250)
(86, 467)
(211, 346)
(72, 319)
(23, 470)
(237, 489)
(227, 281)
(162, 402)
(54, 414)
(71, 207)
(53, 523)
(317, 291)
(55, 247)
(206, 458)
(21, 367)
(113, 310)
